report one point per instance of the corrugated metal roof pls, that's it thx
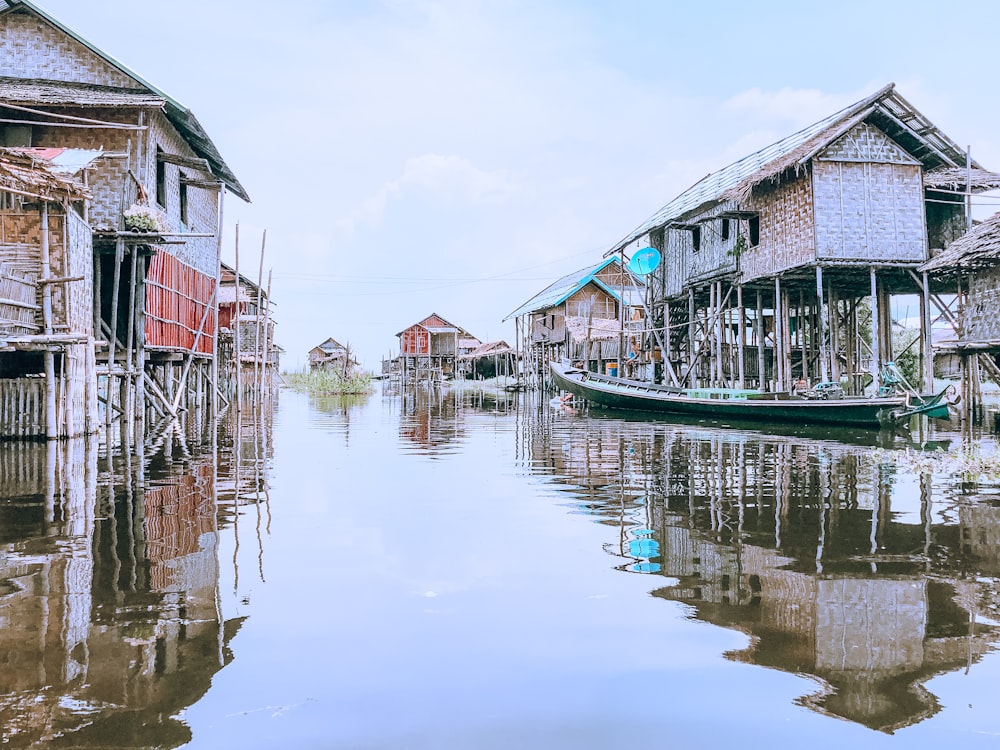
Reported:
(559, 291)
(66, 160)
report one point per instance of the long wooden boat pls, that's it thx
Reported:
(725, 403)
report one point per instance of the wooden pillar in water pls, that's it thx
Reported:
(779, 336)
(51, 421)
(927, 339)
(824, 328)
(742, 334)
(876, 332)
(761, 358)
(692, 328)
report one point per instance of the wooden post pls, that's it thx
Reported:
(51, 422)
(824, 328)
(691, 337)
(927, 338)
(779, 337)
(742, 333)
(761, 359)
(236, 327)
(215, 331)
(876, 363)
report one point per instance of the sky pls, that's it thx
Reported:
(409, 157)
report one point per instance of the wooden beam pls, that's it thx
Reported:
(203, 184)
(191, 162)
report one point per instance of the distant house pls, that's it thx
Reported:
(432, 347)
(331, 354)
(583, 316)
(246, 317)
(489, 360)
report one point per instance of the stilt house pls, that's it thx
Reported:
(155, 190)
(430, 349)
(971, 268)
(584, 316)
(331, 355)
(782, 265)
(246, 323)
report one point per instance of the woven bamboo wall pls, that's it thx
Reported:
(30, 48)
(980, 321)
(786, 230)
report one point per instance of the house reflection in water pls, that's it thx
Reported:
(795, 543)
(108, 620)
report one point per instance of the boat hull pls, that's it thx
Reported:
(618, 393)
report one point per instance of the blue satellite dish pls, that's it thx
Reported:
(644, 261)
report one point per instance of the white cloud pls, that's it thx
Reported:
(437, 178)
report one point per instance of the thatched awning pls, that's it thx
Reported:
(25, 173)
(489, 349)
(594, 329)
(960, 178)
(975, 250)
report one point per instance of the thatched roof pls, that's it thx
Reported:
(977, 249)
(24, 172)
(885, 109)
(961, 178)
(489, 349)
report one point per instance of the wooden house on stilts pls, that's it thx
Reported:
(970, 267)
(782, 266)
(587, 316)
(153, 206)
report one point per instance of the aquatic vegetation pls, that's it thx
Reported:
(329, 382)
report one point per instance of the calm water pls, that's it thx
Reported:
(449, 571)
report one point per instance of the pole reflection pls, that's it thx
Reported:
(110, 616)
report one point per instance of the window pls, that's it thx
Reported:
(753, 226)
(696, 238)
(161, 178)
(15, 135)
(183, 195)
(725, 230)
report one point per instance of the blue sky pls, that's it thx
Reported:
(457, 156)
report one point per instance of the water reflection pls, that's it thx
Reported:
(837, 563)
(110, 617)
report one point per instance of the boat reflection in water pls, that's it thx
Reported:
(109, 603)
(835, 561)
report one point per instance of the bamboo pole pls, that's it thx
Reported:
(51, 421)
(236, 326)
(267, 345)
(761, 360)
(218, 281)
(258, 367)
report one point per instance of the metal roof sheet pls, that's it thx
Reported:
(559, 291)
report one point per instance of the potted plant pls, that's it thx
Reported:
(142, 218)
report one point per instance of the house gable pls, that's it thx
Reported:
(868, 144)
(33, 47)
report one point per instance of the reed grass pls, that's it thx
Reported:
(329, 382)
